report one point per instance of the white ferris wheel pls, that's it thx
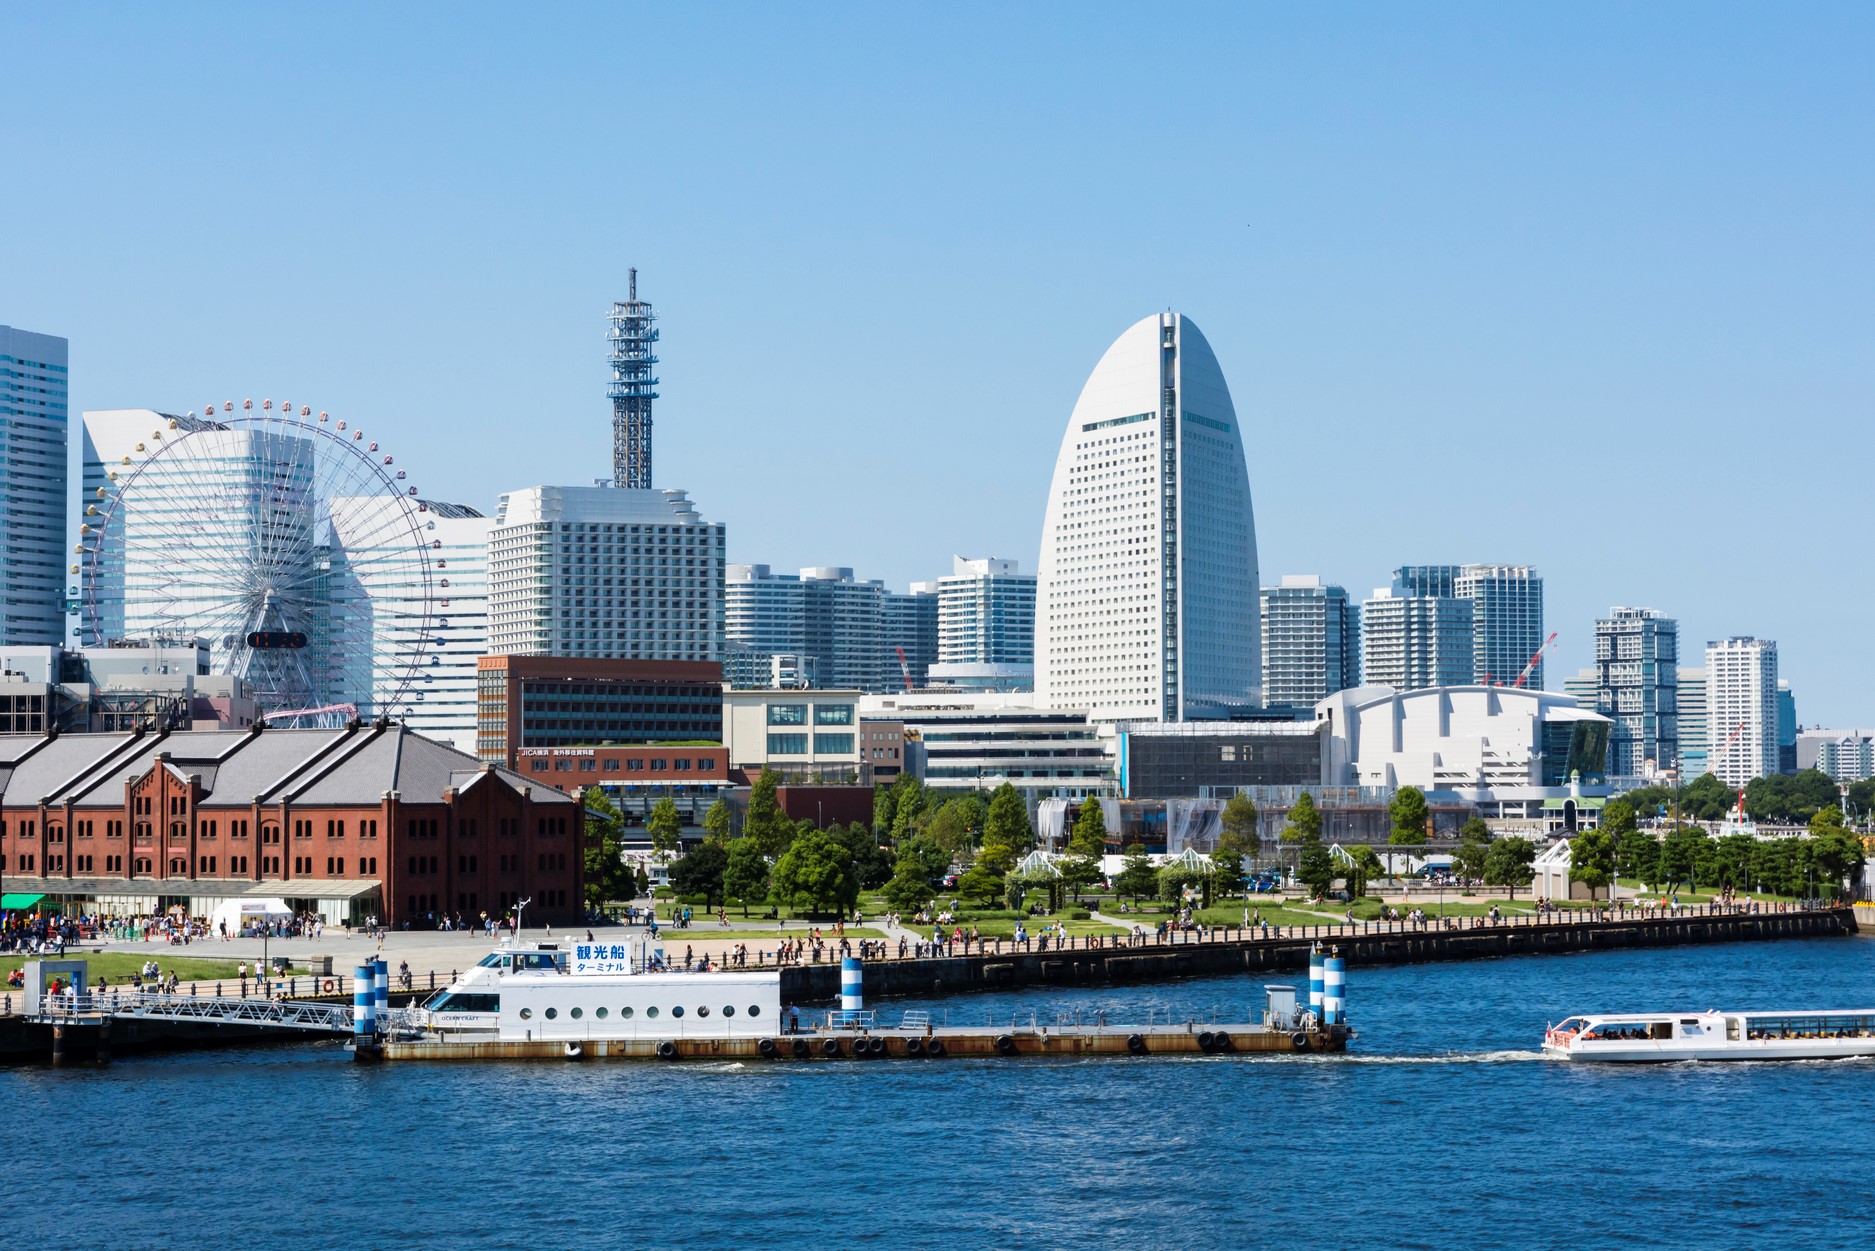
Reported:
(290, 542)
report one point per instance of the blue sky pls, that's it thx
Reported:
(1586, 287)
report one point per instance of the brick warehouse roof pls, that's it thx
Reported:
(352, 766)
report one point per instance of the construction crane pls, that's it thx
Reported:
(904, 668)
(1535, 658)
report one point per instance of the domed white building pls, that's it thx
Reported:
(1146, 600)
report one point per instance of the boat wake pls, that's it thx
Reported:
(1449, 1057)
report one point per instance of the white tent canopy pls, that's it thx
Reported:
(236, 913)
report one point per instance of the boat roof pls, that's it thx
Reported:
(1660, 1016)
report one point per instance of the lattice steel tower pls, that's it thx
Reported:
(632, 336)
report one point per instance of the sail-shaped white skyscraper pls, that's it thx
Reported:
(1146, 603)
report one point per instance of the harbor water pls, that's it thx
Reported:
(1443, 1127)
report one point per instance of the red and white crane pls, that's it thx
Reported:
(1535, 658)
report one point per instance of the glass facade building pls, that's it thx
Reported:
(34, 420)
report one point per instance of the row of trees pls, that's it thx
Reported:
(1780, 800)
(1689, 856)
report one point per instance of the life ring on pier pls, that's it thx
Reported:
(767, 1047)
(667, 1050)
(1299, 1041)
(1005, 1044)
(829, 1046)
(1206, 1040)
(935, 1048)
(330, 986)
(1136, 1044)
(914, 1046)
(800, 1047)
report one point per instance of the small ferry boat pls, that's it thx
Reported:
(1713, 1035)
(577, 991)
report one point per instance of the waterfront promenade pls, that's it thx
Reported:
(907, 961)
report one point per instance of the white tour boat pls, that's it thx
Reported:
(1660, 1036)
(616, 988)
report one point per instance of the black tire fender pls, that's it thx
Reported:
(1005, 1044)
(667, 1050)
(1136, 1044)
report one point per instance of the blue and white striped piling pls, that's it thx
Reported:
(1335, 991)
(380, 993)
(1315, 981)
(852, 985)
(364, 1007)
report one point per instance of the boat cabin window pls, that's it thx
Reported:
(460, 1001)
(1830, 1025)
(493, 959)
(547, 961)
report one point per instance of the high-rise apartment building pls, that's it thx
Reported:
(1691, 701)
(1412, 641)
(604, 573)
(34, 417)
(1506, 621)
(911, 627)
(986, 626)
(1637, 681)
(823, 613)
(1741, 708)
(1148, 554)
(1311, 641)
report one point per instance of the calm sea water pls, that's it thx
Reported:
(1443, 1129)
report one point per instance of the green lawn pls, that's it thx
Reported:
(700, 932)
(117, 966)
(1000, 928)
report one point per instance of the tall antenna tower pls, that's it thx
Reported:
(632, 389)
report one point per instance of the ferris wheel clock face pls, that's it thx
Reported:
(290, 542)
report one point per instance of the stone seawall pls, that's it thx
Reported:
(1363, 945)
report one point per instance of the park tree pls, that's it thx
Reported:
(1836, 853)
(1316, 868)
(912, 799)
(1791, 800)
(1731, 860)
(608, 877)
(665, 827)
(1238, 839)
(1007, 822)
(981, 883)
(949, 825)
(701, 872)
(1474, 844)
(716, 823)
(1509, 863)
(1137, 877)
(1409, 815)
(1637, 856)
(908, 889)
(1680, 854)
(815, 872)
(745, 872)
(1618, 819)
(765, 822)
(641, 879)
(1174, 879)
(1706, 798)
(871, 865)
(1366, 866)
(1592, 859)
(1089, 836)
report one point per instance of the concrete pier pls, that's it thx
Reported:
(1364, 946)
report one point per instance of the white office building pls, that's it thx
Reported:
(442, 626)
(1148, 554)
(823, 614)
(1741, 709)
(34, 419)
(1409, 642)
(1691, 701)
(958, 740)
(986, 627)
(1637, 682)
(1506, 622)
(1846, 755)
(1311, 641)
(608, 573)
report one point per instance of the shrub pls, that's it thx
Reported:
(1080, 914)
